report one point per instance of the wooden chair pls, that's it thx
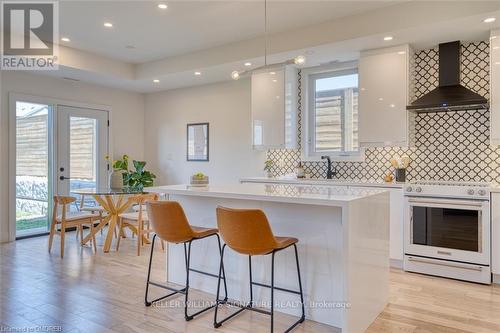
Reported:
(137, 220)
(67, 220)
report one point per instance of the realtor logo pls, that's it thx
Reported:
(29, 30)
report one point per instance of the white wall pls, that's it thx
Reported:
(226, 106)
(127, 118)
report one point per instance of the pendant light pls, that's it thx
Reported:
(298, 60)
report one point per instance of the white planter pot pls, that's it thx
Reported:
(116, 179)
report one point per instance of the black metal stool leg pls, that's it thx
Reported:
(217, 324)
(251, 281)
(272, 291)
(146, 302)
(187, 257)
(300, 283)
(223, 271)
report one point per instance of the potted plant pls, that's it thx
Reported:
(135, 179)
(268, 165)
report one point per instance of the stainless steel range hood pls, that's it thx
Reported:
(450, 94)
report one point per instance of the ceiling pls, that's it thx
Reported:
(200, 42)
(188, 26)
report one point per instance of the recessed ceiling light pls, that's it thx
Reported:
(197, 73)
(388, 38)
(156, 81)
(65, 39)
(275, 80)
(162, 6)
(489, 20)
(496, 47)
(401, 52)
(248, 64)
(108, 24)
(272, 73)
(235, 75)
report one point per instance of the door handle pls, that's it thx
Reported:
(63, 178)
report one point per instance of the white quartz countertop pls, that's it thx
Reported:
(327, 182)
(288, 193)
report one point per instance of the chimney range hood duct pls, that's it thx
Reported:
(450, 94)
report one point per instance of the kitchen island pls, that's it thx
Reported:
(343, 248)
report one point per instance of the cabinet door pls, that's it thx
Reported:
(383, 96)
(495, 233)
(396, 224)
(268, 109)
(495, 87)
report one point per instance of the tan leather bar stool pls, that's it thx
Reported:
(170, 224)
(247, 231)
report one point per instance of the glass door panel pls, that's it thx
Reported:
(82, 154)
(82, 147)
(446, 227)
(33, 168)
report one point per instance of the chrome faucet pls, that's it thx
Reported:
(329, 173)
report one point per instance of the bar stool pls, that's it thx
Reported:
(170, 224)
(247, 231)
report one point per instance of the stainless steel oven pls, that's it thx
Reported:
(448, 237)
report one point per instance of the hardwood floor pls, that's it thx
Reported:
(104, 293)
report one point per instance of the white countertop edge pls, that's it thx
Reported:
(322, 182)
(175, 190)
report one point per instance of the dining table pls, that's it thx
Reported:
(115, 201)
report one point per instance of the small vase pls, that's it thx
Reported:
(400, 175)
(116, 179)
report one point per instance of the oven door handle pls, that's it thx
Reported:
(423, 261)
(469, 203)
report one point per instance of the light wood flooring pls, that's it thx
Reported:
(104, 293)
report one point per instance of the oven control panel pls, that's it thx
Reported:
(457, 190)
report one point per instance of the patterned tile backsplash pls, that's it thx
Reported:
(447, 145)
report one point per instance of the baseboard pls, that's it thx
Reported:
(495, 278)
(397, 263)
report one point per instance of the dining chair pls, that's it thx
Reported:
(137, 220)
(66, 219)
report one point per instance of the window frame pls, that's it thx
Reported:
(310, 75)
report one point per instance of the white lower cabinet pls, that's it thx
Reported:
(396, 249)
(495, 233)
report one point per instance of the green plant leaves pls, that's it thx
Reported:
(137, 179)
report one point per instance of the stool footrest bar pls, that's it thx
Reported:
(159, 285)
(276, 288)
(205, 273)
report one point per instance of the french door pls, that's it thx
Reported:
(82, 144)
(57, 148)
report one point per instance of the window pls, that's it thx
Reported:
(333, 114)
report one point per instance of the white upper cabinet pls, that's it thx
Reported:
(274, 108)
(495, 87)
(383, 96)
